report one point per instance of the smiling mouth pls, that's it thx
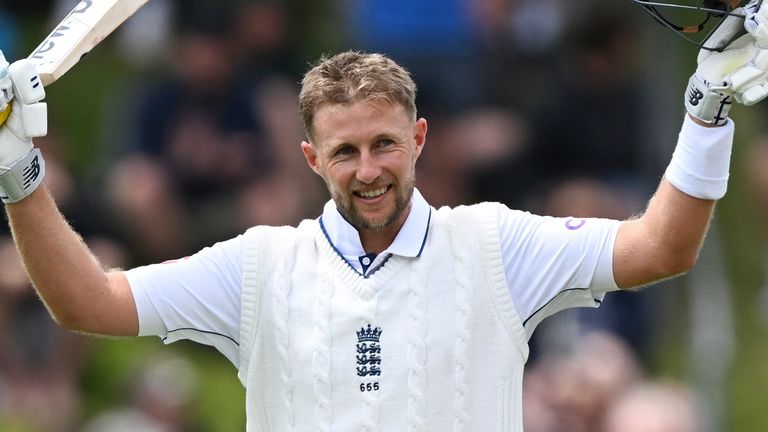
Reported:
(373, 193)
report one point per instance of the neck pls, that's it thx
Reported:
(377, 240)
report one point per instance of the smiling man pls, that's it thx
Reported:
(364, 145)
(384, 313)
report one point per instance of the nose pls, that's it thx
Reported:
(368, 169)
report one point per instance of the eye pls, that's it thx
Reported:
(386, 142)
(344, 151)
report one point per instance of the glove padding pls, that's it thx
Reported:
(22, 167)
(28, 117)
(741, 69)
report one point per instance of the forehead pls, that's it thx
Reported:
(355, 121)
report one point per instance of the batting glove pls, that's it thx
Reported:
(21, 165)
(739, 73)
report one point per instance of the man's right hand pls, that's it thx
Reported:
(21, 166)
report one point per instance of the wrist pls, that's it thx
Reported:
(702, 123)
(21, 178)
(706, 105)
(701, 161)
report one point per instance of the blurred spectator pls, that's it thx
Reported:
(475, 155)
(9, 33)
(570, 391)
(146, 38)
(75, 200)
(215, 152)
(757, 177)
(653, 407)
(158, 400)
(522, 44)
(591, 123)
(287, 191)
(263, 41)
(438, 41)
(586, 157)
(198, 141)
(39, 361)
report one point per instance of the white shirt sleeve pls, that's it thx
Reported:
(553, 263)
(196, 298)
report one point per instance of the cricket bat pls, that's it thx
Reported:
(83, 28)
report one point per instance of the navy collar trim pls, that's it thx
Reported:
(341, 256)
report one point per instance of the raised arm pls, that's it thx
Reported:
(79, 294)
(666, 239)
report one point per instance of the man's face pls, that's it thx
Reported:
(366, 152)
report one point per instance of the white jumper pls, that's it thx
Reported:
(426, 343)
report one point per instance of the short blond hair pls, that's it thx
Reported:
(352, 77)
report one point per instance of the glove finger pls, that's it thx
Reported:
(34, 119)
(6, 85)
(743, 78)
(5, 113)
(718, 65)
(756, 22)
(26, 82)
(753, 94)
(6, 95)
(725, 33)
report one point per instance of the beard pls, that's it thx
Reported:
(345, 205)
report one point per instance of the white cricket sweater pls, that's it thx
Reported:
(445, 349)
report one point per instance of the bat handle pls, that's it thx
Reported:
(4, 114)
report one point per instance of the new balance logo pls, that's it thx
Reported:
(31, 173)
(695, 96)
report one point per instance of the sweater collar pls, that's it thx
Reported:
(408, 243)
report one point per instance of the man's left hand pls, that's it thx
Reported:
(741, 69)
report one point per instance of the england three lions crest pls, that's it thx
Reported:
(369, 357)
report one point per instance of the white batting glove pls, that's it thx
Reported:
(706, 97)
(739, 73)
(21, 165)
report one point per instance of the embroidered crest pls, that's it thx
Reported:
(369, 356)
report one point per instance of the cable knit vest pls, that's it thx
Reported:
(422, 344)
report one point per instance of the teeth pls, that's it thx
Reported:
(373, 193)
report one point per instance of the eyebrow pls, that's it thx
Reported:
(385, 135)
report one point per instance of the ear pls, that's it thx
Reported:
(420, 135)
(311, 155)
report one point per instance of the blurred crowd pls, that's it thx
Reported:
(543, 105)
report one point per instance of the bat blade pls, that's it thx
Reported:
(81, 30)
